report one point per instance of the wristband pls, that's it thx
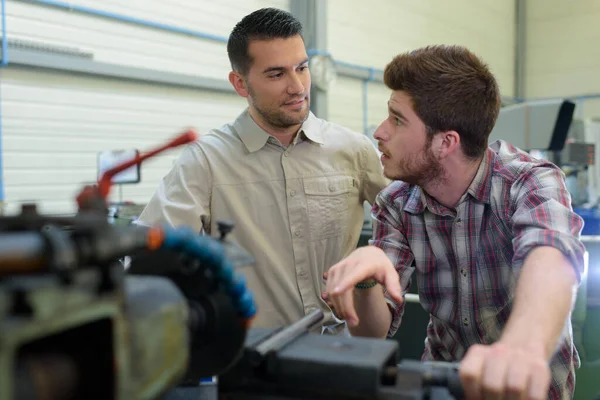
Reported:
(366, 284)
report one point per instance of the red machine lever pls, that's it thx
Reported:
(105, 183)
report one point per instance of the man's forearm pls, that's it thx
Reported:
(373, 312)
(543, 300)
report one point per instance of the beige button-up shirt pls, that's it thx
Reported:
(297, 210)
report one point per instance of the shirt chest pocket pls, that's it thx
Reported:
(328, 200)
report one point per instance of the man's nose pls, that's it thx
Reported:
(380, 132)
(295, 85)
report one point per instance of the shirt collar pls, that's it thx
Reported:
(312, 129)
(416, 202)
(479, 189)
(481, 186)
(254, 137)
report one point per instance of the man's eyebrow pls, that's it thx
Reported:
(279, 69)
(396, 113)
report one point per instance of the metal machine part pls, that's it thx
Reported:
(216, 335)
(292, 363)
(74, 326)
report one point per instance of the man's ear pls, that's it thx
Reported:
(239, 83)
(449, 143)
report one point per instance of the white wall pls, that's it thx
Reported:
(128, 44)
(562, 56)
(371, 33)
(54, 123)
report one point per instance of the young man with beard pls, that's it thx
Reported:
(293, 184)
(488, 232)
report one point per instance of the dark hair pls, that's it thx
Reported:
(263, 24)
(450, 89)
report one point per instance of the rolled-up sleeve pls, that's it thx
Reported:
(543, 216)
(388, 236)
(183, 195)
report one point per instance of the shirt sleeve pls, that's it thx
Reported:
(373, 180)
(183, 195)
(388, 235)
(543, 216)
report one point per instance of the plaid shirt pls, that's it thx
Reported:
(467, 260)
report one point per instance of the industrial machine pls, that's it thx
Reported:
(547, 130)
(74, 324)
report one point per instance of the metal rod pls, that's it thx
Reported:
(286, 335)
(411, 298)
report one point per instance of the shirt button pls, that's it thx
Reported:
(302, 272)
(292, 193)
(466, 321)
(463, 271)
(459, 222)
(286, 154)
(297, 232)
(331, 188)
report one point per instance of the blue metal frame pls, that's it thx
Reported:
(372, 72)
(3, 63)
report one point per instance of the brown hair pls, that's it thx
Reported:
(451, 90)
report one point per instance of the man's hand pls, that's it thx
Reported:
(501, 371)
(363, 264)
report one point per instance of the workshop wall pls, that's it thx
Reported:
(370, 34)
(55, 122)
(561, 56)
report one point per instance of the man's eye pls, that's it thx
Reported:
(398, 121)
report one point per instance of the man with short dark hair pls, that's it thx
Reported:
(489, 233)
(293, 184)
